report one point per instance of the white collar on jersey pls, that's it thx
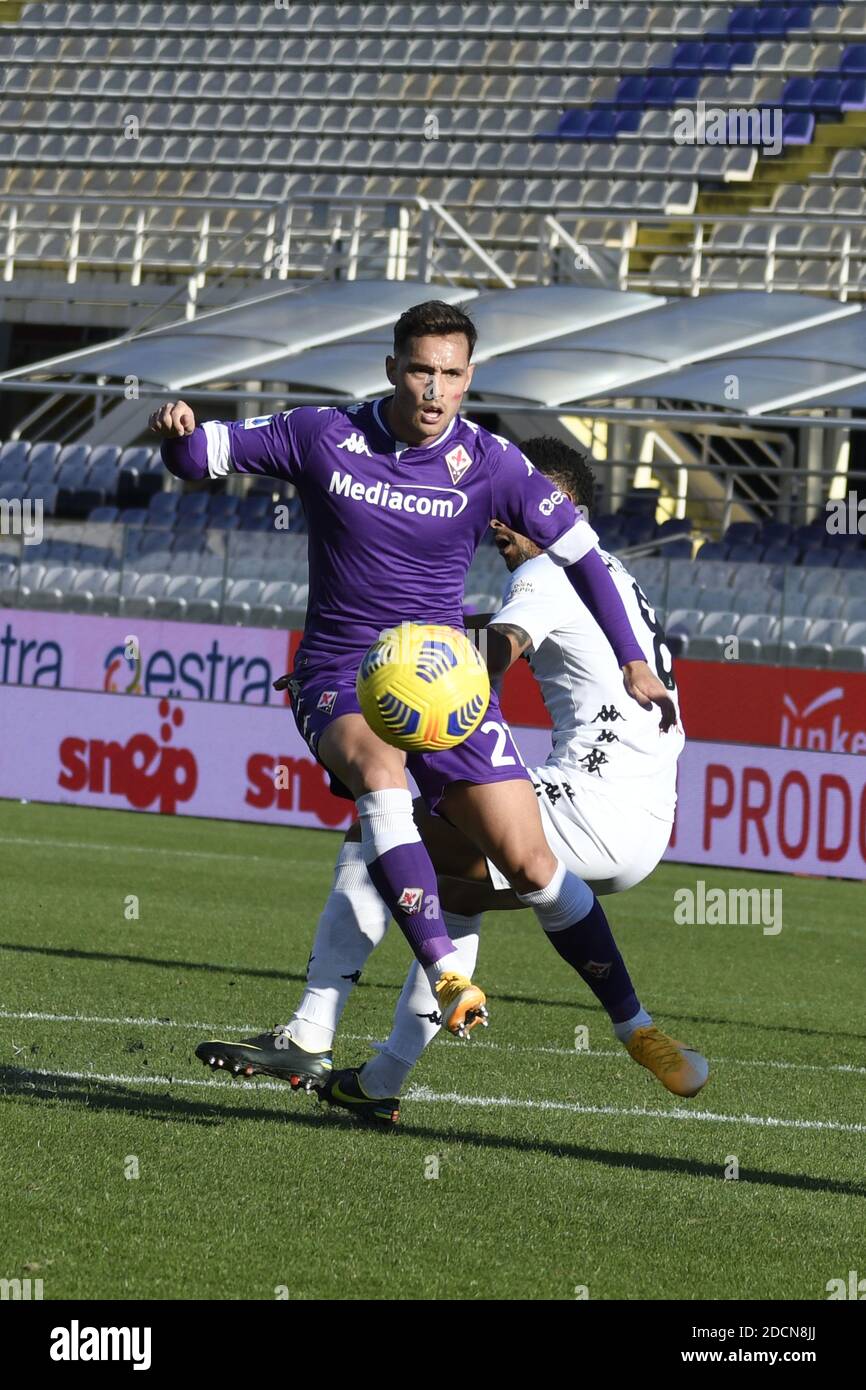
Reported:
(399, 444)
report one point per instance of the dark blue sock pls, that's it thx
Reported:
(589, 948)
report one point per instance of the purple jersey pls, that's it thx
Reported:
(392, 527)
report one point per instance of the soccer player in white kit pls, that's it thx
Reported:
(607, 796)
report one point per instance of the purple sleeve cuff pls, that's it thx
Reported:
(593, 585)
(186, 458)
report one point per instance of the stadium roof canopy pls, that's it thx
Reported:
(546, 345)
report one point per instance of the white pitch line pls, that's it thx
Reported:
(151, 849)
(217, 1029)
(425, 1096)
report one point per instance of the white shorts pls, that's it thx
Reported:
(599, 834)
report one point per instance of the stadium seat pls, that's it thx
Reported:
(849, 658)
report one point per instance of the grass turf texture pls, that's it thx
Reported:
(243, 1189)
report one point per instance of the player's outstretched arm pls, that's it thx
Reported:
(272, 445)
(593, 585)
(184, 447)
(529, 503)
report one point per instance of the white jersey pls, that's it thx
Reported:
(598, 730)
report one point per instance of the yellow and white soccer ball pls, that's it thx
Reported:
(423, 687)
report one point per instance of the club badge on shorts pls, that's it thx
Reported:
(327, 701)
(410, 900)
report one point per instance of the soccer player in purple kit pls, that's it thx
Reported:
(398, 493)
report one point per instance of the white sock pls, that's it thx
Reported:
(417, 1013)
(386, 821)
(565, 900)
(624, 1030)
(354, 920)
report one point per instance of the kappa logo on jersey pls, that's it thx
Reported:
(548, 504)
(327, 700)
(356, 444)
(410, 900)
(255, 422)
(458, 461)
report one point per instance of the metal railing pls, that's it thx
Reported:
(83, 244)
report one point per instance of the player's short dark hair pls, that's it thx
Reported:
(567, 465)
(433, 319)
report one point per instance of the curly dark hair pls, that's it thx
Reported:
(433, 319)
(567, 465)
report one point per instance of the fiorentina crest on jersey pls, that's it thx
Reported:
(410, 899)
(458, 461)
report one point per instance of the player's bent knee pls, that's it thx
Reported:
(530, 870)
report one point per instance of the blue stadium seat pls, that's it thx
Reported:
(13, 491)
(13, 468)
(193, 504)
(12, 454)
(712, 550)
(70, 479)
(797, 93)
(104, 514)
(798, 127)
(853, 95)
(678, 550)
(818, 559)
(854, 59)
(776, 532)
(743, 551)
(47, 492)
(42, 461)
(740, 531)
(675, 526)
(163, 504)
(779, 555)
(852, 560)
(770, 23)
(641, 501)
(190, 521)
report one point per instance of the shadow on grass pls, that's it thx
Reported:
(20, 1084)
(582, 1004)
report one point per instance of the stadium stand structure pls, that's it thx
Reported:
(144, 142)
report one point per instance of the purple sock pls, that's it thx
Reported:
(405, 878)
(590, 949)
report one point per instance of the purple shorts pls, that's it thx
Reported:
(487, 755)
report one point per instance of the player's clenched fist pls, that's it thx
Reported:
(173, 421)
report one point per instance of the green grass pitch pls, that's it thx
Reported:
(558, 1170)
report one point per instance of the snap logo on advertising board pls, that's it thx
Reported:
(167, 757)
(293, 784)
(141, 771)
